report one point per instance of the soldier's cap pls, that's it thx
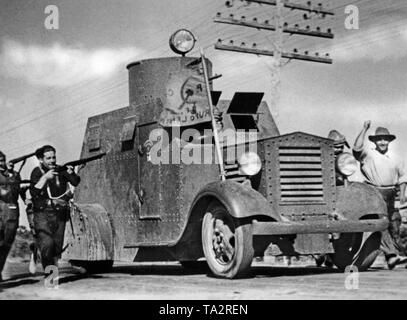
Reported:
(338, 138)
(382, 133)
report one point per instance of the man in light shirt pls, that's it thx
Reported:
(383, 169)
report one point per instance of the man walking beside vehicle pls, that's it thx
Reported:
(50, 195)
(383, 169)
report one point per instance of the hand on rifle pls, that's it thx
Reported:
(10, 166)
(50, 174)
(69, 169)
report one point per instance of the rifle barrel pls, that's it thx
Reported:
(22, 158)
(15, 182)
(81, 161)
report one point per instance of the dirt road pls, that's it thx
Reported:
(171, 281)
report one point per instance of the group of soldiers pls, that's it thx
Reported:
(381, 168)
(47, 199)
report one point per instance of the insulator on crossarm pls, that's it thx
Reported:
(229, 4)
(231, 42)
(317, 54)
(231, 16)
(318, 29)
(219, 41)
(329, 31)
(296, 26)
(305, 16)
(309, 3)
(306, 53)
(295, 50)
(308, 28)
(254, 19)
(254, 45)
(243, 18)
(266, 22)
(243, 44)
(218, 14)
(285, 24)
(327, 55)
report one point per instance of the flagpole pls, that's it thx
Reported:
(215, 131)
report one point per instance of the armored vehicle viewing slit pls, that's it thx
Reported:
(157, 194)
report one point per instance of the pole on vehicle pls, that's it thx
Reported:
(213, 121)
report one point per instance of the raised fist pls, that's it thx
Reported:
(366, 125)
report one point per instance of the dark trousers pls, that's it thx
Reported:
(49, 228)
(8, 230)
(390, 236)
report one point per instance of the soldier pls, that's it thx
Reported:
(50, 195)
(384, 170)
(339, 147)
(9, 211)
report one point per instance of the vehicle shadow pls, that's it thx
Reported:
(255, 271)
(17, 281)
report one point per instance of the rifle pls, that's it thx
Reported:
(23, 159)
(12, 183)
(79, 162)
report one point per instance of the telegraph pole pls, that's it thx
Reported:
(280, 27)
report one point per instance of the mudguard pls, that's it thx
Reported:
(360, 200)
(239, 199)
(90, 237)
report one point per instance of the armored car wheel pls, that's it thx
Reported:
(356, 249)
(227, 244)
(102, 266)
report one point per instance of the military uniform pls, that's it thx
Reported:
(51, 211)
(9, 212)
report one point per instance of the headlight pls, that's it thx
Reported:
(249, 163)
(346, 164)
(182, 41)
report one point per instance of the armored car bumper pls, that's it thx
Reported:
(329, 226)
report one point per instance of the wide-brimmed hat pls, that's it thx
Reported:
(382, 133)
(338, 138)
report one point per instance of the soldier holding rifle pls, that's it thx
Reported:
(50, 195)
(10, 190)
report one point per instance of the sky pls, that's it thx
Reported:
(51, 81)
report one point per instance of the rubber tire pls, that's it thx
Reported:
(100, 266)
(349, 250)
(240, 264)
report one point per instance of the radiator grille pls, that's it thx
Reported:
(301, 174)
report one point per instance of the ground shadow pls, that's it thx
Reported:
(255, 271)
(76, 277)
(16, 282)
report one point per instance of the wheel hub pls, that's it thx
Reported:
(223, 242)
